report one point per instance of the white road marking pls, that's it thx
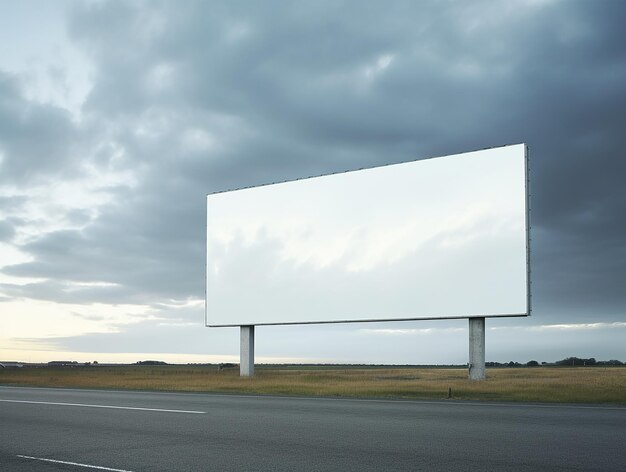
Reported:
(88, 466)
(104, 406)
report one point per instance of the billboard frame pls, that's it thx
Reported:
(527, 223)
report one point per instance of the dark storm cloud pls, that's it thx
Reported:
(284, 90)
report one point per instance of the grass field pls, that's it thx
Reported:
(540, 384)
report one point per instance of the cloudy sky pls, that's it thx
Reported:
(118, 118)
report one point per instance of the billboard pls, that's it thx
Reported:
(436, 238)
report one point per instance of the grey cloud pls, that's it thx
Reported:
(35, 140)
(64, 292)
(143, 267)
(6, 231)
(153, 337)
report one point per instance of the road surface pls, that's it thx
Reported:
(81, 430)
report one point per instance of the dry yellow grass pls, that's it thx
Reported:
(541, 384)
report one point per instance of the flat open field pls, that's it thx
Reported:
(538, 384)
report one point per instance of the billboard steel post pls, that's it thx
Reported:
(246, 351)
(477, 348)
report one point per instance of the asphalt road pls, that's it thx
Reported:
(137, 431)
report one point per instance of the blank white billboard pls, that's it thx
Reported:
(435, 238)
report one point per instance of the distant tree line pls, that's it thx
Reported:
(569, 361)
(574, 361)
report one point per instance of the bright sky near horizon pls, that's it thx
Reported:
(118, 118)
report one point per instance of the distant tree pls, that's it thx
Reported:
(568, 361)
(532, 364)
(575, 361)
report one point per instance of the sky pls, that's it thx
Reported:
(118, 118)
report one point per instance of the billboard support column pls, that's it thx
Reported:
(477, 348)
(246, 351)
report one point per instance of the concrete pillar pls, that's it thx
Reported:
(477, 348)
(246, 351)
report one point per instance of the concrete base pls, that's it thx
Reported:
(246, 351)
(477, 348)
